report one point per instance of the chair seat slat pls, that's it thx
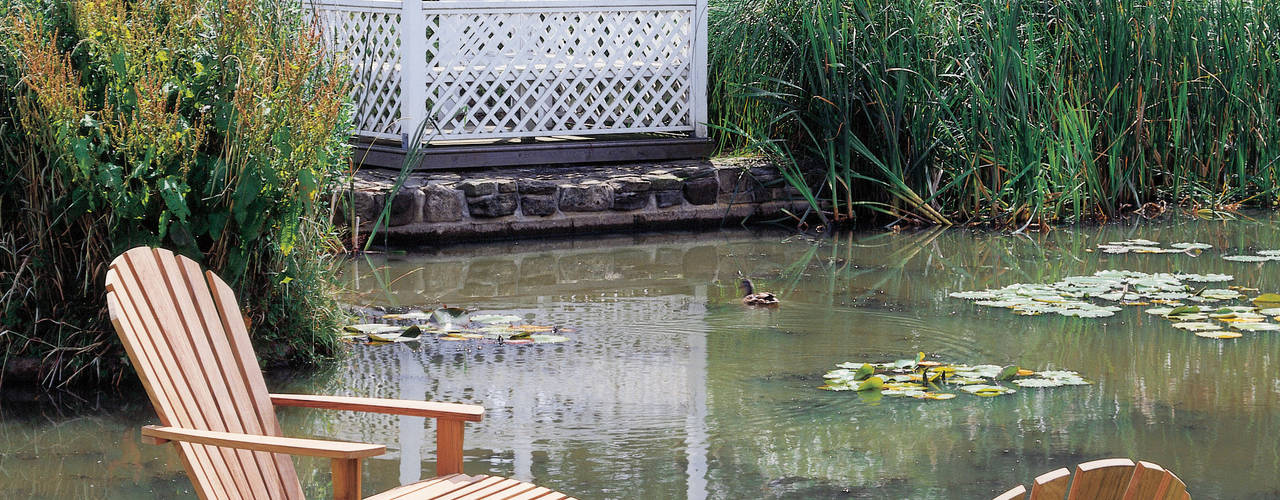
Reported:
(505, 488)
(492, 484)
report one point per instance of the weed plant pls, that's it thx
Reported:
(208, 127)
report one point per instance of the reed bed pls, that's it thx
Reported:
(1021, 114)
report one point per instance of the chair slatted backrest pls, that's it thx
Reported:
(1153, 481)
(190, 347)
(1109, 479)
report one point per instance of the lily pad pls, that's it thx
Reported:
(1246, 258)
(392, 338)
(924, 379)
(410, 316)
(455, 327)
(1063, 376)
(1242, 319)
(1148, 246)
(1087, 313)
(979, 371)
(1196, 326)
(1071, 295)
(864, 371)
(1206, 278)
(871, 384)
(1007, 373)
(974, 295)
(1038, 382)
(985, 390)
(370, 328)
(495, 318)
(1267, 298)
(412, 332)
(1220, 294)
(1256, 327)
(1219, 334)
(449, 315)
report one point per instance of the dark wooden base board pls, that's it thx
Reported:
(456, 157)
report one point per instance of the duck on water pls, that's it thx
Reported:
(756, 299)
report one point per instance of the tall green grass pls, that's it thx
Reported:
(209, 127)
(1012, 113)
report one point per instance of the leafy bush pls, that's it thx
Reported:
(208, 127)
(1009, 113)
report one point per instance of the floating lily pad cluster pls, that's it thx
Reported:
(453, 324)
(1075, 295)
(920, 379)
(1225, 322)
(1260, 256)
(1148, 246)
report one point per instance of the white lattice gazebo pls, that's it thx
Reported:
(488, 71)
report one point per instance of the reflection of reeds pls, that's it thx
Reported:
(1014, 113)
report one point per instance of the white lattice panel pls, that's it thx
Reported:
(482, 69)
(367, 34)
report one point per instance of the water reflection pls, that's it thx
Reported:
(671, 389)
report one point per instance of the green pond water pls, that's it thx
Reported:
(670, 388)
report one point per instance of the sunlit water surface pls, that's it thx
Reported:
(671, 389)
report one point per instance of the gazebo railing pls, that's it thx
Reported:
(493, 69)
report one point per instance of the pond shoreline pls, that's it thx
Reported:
(522, 203)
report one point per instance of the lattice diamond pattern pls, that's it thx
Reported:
(545, 73)
(370, 39)
(517, 71)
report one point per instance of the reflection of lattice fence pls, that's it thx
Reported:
(485, 69)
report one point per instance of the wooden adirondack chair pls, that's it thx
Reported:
(1109, 479)
(189, 344)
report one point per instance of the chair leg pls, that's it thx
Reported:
(448, 447)
(346, 478)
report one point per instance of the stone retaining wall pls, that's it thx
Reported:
(524, 202)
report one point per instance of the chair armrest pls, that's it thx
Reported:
(155, 434)
(448, 411)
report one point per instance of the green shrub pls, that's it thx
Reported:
(1009, 113)
(208, 127)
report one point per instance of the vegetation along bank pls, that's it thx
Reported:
(208, 127)
(1019, 114)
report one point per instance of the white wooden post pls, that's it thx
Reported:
(700, 116)
(413, 68)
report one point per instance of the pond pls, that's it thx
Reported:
(670, 388)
